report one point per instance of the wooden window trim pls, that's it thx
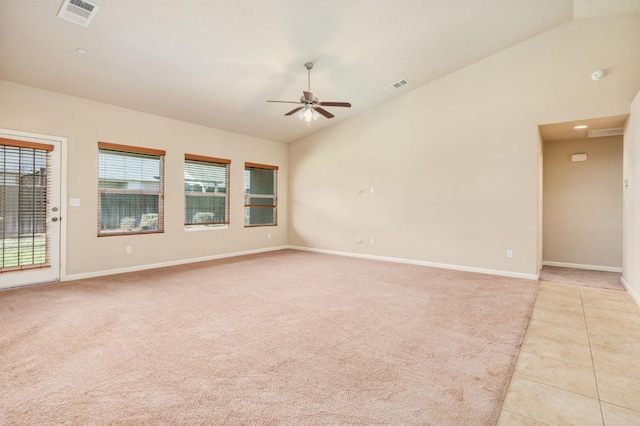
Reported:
(205, 159)
(260, 166)
(132, 149)
(24, 144)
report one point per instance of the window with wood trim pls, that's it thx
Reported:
(24, 187)
(206, 191)
(130, 190)
(260, 195)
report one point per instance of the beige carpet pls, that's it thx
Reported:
(584, 277)
(287, 337)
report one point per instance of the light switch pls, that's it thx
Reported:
(74, 202)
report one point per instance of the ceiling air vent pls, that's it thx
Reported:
(397, 85)
(78, 11)
(616, 131)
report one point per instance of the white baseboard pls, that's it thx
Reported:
(580, 266)
(164, 264)
(422, 263)
(631, 291)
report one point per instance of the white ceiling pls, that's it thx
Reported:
(215, 63)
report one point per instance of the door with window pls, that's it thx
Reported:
(29, 209)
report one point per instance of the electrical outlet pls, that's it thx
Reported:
(509, 253)
(269, 235)
(127, 249)
(372, 241)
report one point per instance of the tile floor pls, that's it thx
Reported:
(580, 360)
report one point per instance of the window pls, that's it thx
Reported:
(260, 200)
(130, 190)
(206, 184)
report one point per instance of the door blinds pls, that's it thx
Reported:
(24, 187)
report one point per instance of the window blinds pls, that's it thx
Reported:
(24, 189)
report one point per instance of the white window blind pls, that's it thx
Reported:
(260, 198)
(206, 190)
(130, 190)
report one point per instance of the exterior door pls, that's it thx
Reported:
(29, 209)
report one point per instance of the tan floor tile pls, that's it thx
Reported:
(507, 418)
(618, 416)
(615, 305)
(621, 390)
(553, 302)
(620, 340)
(616, 362)
(593, 293)
(564, 351)
(635, 303)
(555, 366)
(573, 319)
(559, 288)
(550, 405)
(562, 333)
(576, 378)
(600, 318)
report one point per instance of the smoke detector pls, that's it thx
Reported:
(78, 11)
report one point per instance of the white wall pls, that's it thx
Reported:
(454, 163)
(84, 123)
(583, 203)
(631, 203)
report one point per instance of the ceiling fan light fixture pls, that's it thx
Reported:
(308, 115)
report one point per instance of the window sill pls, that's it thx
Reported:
(206, 228)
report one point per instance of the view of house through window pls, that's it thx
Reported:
(206, 183)
(130, 190)
(260, 198)
(24, 176)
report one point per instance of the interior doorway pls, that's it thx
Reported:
(581, 194)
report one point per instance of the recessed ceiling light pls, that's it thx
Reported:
(407, 61)
(81, 51)
(582, 126)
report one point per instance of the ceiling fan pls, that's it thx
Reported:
(310, 109)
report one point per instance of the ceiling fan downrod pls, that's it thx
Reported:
(308, 66)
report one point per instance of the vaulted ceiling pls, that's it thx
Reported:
(215, 63)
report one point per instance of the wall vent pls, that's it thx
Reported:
(615, 131)
(78, 11)
(397, 85)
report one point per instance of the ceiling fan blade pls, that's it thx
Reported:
(308, 96)
(293, 111)
(285, 102)
(324, 112)
(335, 104)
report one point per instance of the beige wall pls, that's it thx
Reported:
(631, 202)
(85, 123)
(454, 163)
(583, 202)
